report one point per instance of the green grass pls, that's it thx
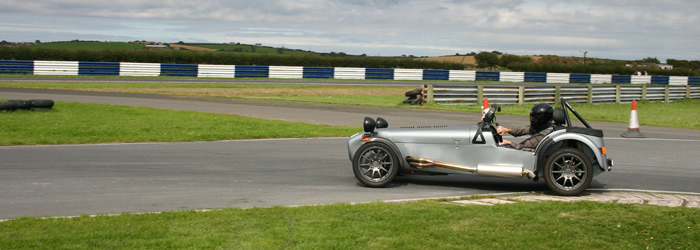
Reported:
(89, 45)
(413, 225)
(246, 48)
(70, 123)
(680, 113)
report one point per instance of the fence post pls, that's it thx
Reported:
(557, 93)
(480, 95)
(429, 94)
(666, 94)
(687, 91)
(644, 92)
(521, 95)
(590, 94)
(618, 92)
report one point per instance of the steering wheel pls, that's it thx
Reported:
(490, 118)
(496, 136)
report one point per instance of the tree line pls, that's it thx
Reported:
(556, 64)
(495, 61)
(216, 57)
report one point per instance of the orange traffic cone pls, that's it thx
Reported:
(633, 130)
(484, 108)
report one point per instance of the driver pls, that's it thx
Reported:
(540, 126)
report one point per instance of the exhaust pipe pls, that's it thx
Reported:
(507, 171)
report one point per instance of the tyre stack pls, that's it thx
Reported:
(35, 104)
(414, 97)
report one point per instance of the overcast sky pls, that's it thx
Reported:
(617, 29)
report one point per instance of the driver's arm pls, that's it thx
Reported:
(502, 130)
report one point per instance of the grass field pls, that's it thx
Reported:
(680, 114)
(246, 48)
(412, 225)
(78, 123)
(89, 45)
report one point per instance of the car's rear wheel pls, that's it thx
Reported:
(375, 164)
(568, 171)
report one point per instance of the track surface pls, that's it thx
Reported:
(146, 177)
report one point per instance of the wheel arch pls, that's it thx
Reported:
(549, 145)
(390, 144)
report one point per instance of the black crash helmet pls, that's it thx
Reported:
(541, 116)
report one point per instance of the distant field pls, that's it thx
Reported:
(191, 47)
(452, 59)
(246, 48)
(89, 45)
(242, 48)
(462, 59)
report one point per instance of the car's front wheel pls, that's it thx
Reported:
(375, 164)
(568, 171)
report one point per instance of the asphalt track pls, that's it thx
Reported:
(65, 180)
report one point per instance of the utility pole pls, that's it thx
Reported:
(584, 56)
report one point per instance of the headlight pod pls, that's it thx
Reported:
(381, 123)
(370, 124)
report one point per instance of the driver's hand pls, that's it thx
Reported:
(505, 142)
(502, 130)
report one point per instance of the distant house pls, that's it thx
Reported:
(665, 66)
(656, 65)
(157, 46)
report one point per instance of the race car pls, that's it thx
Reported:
(567, 158)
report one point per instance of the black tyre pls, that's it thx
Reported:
(41, 104)
(21, 104)
(375, 164)
(568, 171)
(414, 92)
(7, 106)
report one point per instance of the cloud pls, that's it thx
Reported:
(621, 29)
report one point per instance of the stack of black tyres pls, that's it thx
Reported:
(414, 97)
(34, 104)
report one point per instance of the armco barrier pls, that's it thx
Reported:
(189, 70)
(16, 67)
(287, 72)
(317, 72)
(436, 75)
(379, 74)
(54, 68)
(474, 95)
(100, 69)
(295, 72)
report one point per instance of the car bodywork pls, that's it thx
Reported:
(567, 158)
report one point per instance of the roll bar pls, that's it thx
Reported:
(565, 105)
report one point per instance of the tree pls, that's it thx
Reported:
(506, 60)
(486, 59)
(650, 60)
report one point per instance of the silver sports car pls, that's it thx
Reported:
(567, 158)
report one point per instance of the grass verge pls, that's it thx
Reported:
(70, 123)
(413, 225)
(679, 114)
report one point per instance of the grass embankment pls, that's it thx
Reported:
(680, 114)
(413, 225)
(70, 123)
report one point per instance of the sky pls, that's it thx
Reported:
(615, 29)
